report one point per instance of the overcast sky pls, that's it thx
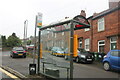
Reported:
(13, 13)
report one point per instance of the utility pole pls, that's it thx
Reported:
(24, 35)
(34, 50)
(25, 31)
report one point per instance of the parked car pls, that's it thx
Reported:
(66, 54)
(30, 47)
(18, 52)
(57, 51)
(112, 60)
(83, 56)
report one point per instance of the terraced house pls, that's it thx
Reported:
(104, 34)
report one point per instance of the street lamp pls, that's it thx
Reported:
(25, 31)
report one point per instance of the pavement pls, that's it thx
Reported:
(6, 75)
(13, 71)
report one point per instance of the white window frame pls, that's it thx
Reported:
(52, 34)
(80, 42)
(100, 44)
(55, 35)
(87, 29)
(87, 44)
(48, 36)
(62, 33)
(112, 41)
(101, 21)
(62, 43)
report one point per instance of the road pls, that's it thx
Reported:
(80, 70)
(19, 64)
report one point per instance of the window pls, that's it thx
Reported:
(62, 33)
(87, 44)
(101, 25)
(80, 43)
(55, 35)
(48, 36)
(115, 53)
(62, 44)
(113, 43)
(101, 45)
(52, 34)
(87, 29)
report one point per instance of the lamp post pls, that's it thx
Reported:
(25, 31)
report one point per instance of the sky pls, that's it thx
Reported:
(13, 13)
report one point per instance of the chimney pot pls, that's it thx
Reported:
(83, 13)
(113, 3)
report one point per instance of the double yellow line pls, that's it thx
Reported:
(9, 74)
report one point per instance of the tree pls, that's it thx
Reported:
(28, 42)
(3, 41)
(14, 35)
(13, 40)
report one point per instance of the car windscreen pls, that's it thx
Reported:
(83, 52)
(58, 49)
(19, 49)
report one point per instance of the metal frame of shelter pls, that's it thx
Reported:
(80, 25)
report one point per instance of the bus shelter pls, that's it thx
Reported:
(56, 41)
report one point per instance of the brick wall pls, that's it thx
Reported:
(111, 28)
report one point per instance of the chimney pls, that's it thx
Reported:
(66, 17)
(95, 14)
(113, 3)
(83, 13)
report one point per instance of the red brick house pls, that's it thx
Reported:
(104, 33)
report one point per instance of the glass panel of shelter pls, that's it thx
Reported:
(55, 41)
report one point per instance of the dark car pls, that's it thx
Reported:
(112, 60)
(18, 52)
(57, 51)
(30, 47)
(82, 56)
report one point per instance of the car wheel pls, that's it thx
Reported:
(56, 55)
(106, 66)
(24, 56)
(77, 60)
(65, 57)
(12, 56)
